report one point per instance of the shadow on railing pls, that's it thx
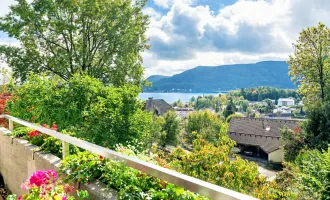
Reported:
(190, 183)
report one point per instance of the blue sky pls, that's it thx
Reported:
(188, 33)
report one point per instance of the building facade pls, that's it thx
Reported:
(286, 102)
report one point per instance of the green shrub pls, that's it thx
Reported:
(171, 128)
(131, 184)
(104, 115)
(54, 146)
(233, 116)
(21, 132)
(205, 124)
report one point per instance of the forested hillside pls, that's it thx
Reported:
(226, 77)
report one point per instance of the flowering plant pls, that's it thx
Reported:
(43, 185)
(37, 138)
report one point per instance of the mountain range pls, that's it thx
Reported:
(224, 78)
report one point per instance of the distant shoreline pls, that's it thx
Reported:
(208, 92)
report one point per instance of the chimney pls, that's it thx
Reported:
(263, 125)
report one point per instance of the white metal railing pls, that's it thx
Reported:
(190, 183)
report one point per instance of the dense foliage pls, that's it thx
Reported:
(99, 38)
(130, 183)
(307, 177)
(171, 128)
(205, 124)
(214, 164)
(262, 93)
(101, 114)
(309, 65)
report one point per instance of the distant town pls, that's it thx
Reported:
(284, 107)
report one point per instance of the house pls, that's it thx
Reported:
(282, 112)
(260, 137)
(183, 112)
(157, 106)
(285, 101)
(259, 103)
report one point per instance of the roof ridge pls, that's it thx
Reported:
(267, 119)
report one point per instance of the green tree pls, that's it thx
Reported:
(205, 124)
(212, 163)
(309, 65)
(99, 38)
(103, 115)
(230, 108)
(171, 128)
(293, 143)
(155, 131)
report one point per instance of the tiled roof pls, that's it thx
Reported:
(159, 105)
(264, 133)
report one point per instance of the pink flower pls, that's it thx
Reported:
(41, 178)
(64, 198)
(26, 185)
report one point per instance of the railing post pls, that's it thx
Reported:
(11, 125)
(65, 149)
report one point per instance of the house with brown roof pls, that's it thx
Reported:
(157, 106)
(261, 137)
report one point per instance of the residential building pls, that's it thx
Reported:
(285, 102)
(259, 103)
(282, 112)
(157, 106)
(183, 112)
(260, 137)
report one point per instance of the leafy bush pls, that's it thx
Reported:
(233, 116)
(21, 132)
(131, 184)
(103, 114)
(204, 123)
(293, 143)
(212, 164)
(4, 98)
(171, 128)
(308, 176)
(54, 146)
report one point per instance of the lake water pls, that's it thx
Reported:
(171, 97)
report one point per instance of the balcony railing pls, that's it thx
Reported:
(190, 183)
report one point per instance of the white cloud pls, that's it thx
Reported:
(4, 8)
(189, 35)
(169, 3)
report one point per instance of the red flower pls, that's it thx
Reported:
(33, 118)
(101, 157)
(34, 133)
(140, 175)
(54, 127)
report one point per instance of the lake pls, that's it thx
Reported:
(171, 97)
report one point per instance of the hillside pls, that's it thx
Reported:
(225, 77)
(155, 78)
